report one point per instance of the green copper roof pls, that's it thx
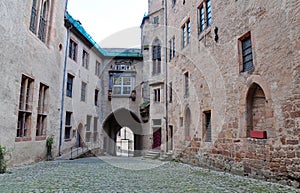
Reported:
(82, 31)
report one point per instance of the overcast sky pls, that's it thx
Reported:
(111, 23)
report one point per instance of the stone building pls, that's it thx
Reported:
(32, 55)
(233, 70)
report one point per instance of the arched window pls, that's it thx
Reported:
(156, 57)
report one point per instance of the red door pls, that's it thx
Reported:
(156, 139)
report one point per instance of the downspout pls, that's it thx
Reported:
(166, 66)
(62, 105)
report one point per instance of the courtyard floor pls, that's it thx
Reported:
(115, 174)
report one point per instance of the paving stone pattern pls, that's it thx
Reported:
(112, 174)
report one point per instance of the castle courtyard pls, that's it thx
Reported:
(117, 174)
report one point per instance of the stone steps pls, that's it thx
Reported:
(152, 154)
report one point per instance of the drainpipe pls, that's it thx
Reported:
(166, 65)
(62, 105)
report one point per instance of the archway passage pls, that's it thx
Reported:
(114, 123)
(125, 142)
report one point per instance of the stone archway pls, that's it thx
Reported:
(114, 123)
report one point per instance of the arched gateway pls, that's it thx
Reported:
(114, 123)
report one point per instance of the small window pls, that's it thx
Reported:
(68, 125)
(157, 95)
(170, 93)
(204, 15)
(173, 2)
(96, 97)
(122, 85)
(156, 58)
(85, 59)
(73, 50)
(83, 91)
(207, 126)
(42, 110)
(186, 84)
(156, 20)
(98, 69)
(69, 89)
(186, 33)
(25, 107)
(245, 50)
(172, 48)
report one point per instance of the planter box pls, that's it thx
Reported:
(258, 134)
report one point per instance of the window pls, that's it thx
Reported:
(173, 2)
(170, 93)
(88, 128)
(41, 125)
(122, 85)
(68, 125)
(98, 69)
(95, 129)
(69, 85)
(25, 107)
(156, 58)
(157, 95)
(186, 33)
(33, 17)
(83, 91)
(43, 21)
(96, 97)
(207, 126)
(156, 20)
(246, 56)
(172, 48)
(73, 50)
(205, 15)
(186, 84)
(85, 59)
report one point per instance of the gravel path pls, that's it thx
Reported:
(113, 174)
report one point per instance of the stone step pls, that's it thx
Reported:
(152, 154)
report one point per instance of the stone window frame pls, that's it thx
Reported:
(244, 37)
(207, 127)
(172, 49)
(24, 122)
(95, 131)
(96, 97)
(68, 125)
(157, 95)
(186, 33)
(83, 95)
(186, 83)
(43, 109)
(73, 49)
(41, 18)
(97, 68)
(88, 131)
(85, 59)
(204, 21)
(156, 57)
(69, 86)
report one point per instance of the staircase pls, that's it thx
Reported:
(168, 156)
(152, 154)
(73, 154)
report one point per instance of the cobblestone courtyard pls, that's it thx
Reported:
(112, 174)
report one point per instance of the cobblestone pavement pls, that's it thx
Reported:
(112, 174)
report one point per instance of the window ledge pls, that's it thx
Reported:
(40, 138)
(204, 33)
(24, 139)
(121, 96)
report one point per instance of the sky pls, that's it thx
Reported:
(111, 23)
